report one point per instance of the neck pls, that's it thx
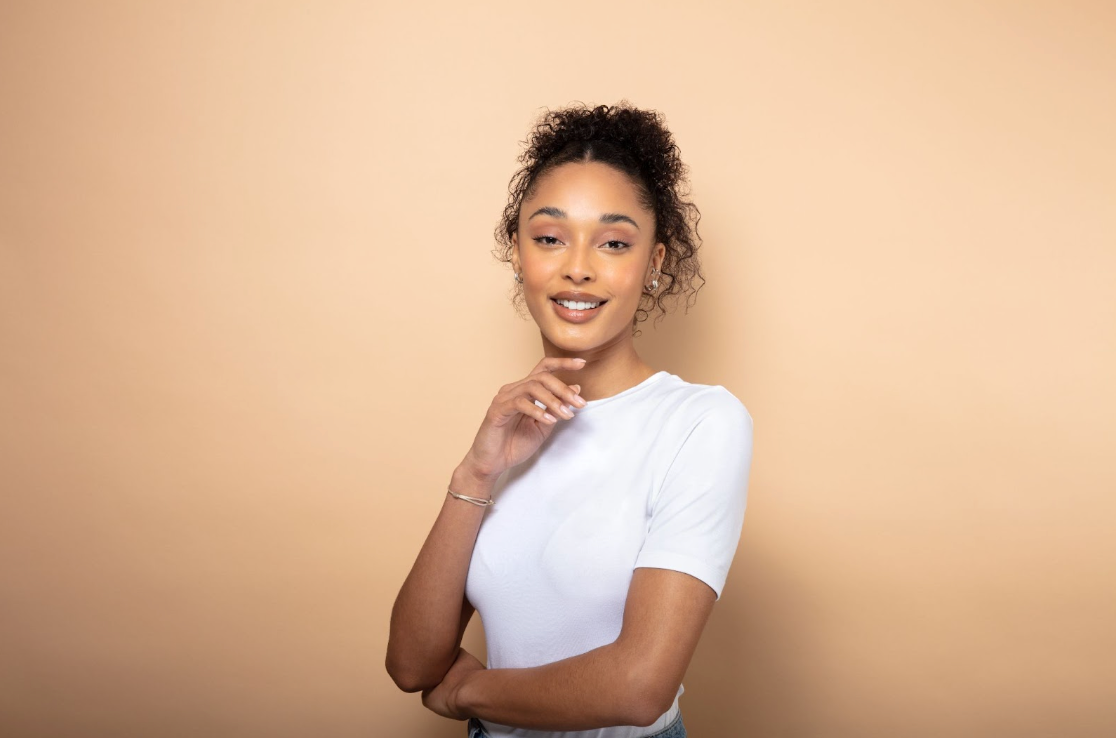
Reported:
(608, 370)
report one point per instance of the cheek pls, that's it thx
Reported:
(627, 286)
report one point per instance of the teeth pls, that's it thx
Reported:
(577, 305)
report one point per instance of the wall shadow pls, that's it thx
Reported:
(749, 675)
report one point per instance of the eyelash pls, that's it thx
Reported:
(623, 244)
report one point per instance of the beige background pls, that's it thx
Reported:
(249, 323)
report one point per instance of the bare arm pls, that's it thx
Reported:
(631, 681)
(431, 612)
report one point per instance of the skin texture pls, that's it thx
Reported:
(578, 252)
(629, 682)
(633, 680)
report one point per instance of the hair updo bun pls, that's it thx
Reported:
(637, 143)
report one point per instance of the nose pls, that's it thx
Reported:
(579, 267)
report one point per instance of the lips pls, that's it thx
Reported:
(577, 296)
(576, 316)
(598, 301)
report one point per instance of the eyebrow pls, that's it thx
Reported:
(606, 218)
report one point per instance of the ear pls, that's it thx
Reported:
(657, 256)
(515, 252)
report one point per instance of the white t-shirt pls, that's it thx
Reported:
(654, 476)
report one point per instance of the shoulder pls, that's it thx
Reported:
(707, 404)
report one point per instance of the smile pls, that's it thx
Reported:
(576, 312)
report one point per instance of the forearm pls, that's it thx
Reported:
(425, 619)
(596, 689)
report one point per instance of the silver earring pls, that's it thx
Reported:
(654, 282)
(517, 278)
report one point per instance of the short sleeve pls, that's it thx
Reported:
(698, 514)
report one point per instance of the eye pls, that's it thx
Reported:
(551, 240)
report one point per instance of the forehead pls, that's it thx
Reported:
(586, 189)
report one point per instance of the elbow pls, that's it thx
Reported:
(406, 682)
(405, 676)
(410, 681)
(399, 675)
(649, 696)
(645, 713)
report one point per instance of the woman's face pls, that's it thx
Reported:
(583, 230)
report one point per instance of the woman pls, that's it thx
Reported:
(593, 521)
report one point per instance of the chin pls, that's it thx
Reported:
(570, 343)
(580, 338)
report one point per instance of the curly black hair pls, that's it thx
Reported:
(637, 143)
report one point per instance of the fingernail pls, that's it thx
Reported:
(550, 417)
(581, 360)
(579, 400)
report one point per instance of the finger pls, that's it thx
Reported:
(545, 389)
(560, 389)
(527, 406)
(557, 363)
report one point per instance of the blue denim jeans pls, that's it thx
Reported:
(674, 730)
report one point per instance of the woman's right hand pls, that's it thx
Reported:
(514, 426)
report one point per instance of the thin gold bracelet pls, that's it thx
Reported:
(475, 500)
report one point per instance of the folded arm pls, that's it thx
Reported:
(631, 681)
(431, 611)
